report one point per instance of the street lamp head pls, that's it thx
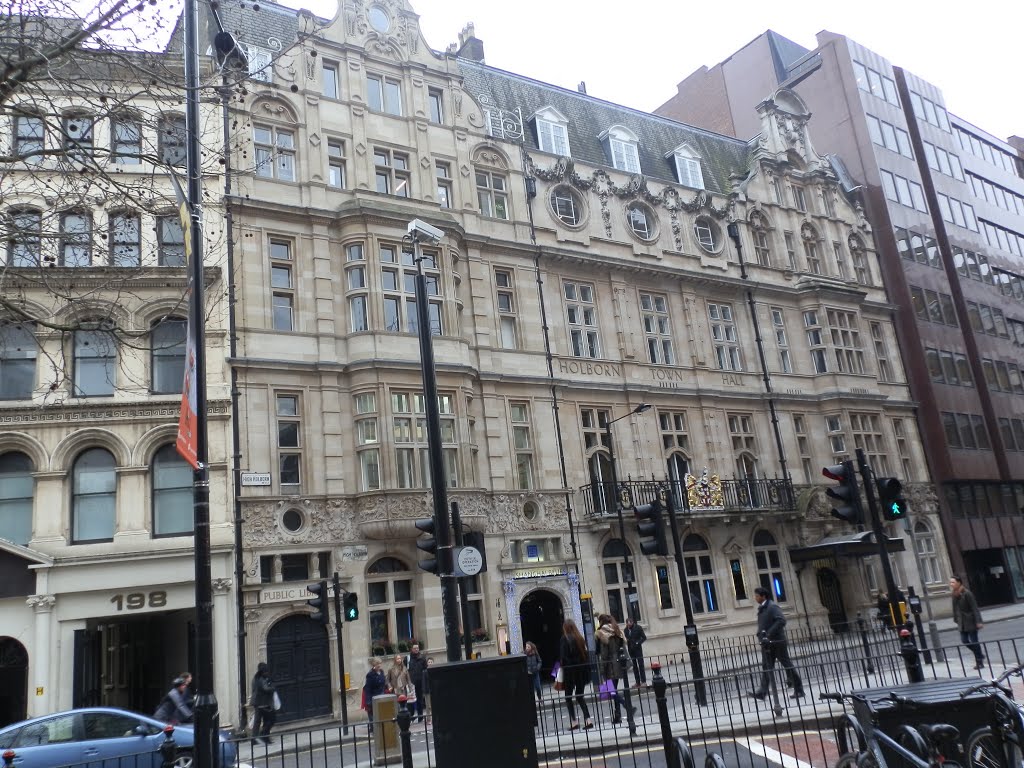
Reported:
(642, 407)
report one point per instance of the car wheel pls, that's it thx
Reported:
(184, 759)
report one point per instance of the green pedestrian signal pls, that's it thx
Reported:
(351, 606)
(890, 499)
(896, 510)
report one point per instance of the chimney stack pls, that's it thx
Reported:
(470, 46)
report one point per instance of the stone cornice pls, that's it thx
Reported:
(168, 410)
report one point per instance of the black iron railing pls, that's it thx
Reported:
(598, 499)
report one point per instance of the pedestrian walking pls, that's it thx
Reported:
(635, 639)
(265, 703)
(533, 665)
(374, 685)
(611, 640)
(174, 707)
(771, 631)
(575, 671)
(190, 695)
(398, 679)
(417, 665)
(426, 689)
(967, 618)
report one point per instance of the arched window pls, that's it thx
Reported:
(16, 491)
(391, 604)
(167, 362)
(75, 239)
(927, 555)
(94, 363)
(18, 351)
(700, 574)
(94, 495)
(172, 493)
(769, 565)
(24, 240)
(678, 466)
(602, 492)
(617, 578)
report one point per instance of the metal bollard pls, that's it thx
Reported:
(660, 686)
(911, 656)
(169, 747)
(862, 627)
(404, 720)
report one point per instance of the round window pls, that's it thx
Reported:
(292, 520)
(567, 205)
(709, 236)
(642, 220)
(530, 511)
(379, 19)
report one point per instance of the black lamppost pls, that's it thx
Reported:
(417, 232)
(628, 566)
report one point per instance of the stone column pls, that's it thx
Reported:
(225, 674)
(40, 660)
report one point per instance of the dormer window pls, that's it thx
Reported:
(621, 144)
(687, 163)
(552, 131)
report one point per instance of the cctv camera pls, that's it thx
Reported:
(421, 230)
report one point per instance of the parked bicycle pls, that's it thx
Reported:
(1001, 744)
(918, 746)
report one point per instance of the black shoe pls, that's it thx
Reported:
(797, 695)
(616, 720)
(267, 740)
(759, 695)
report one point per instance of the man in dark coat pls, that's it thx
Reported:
(417, 665)
(635, 639)
(771, 632)
(174, 707)
(967, 618)
(262, 701)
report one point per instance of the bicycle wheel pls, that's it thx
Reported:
(984, 749)
(685, 755)
(911, 740)
(848, 760)
(714, 760)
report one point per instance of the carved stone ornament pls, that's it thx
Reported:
(636, 188)
(41, 603)
(328, 522)
(221, 586)
(704, 492)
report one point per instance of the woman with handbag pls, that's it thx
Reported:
(611, 640)
(399, 682)
(574, 669)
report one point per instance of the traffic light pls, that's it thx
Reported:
(651, 527)
(321, 613)
(351, 606)
(847, 495)
(429, 545)
(890, 498)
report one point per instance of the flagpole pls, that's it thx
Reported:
(207, 717)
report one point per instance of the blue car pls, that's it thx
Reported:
(100, 737)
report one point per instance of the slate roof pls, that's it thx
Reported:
(589, 117)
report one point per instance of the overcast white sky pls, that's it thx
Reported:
(634, 53)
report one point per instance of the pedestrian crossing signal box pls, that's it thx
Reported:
(690, 633)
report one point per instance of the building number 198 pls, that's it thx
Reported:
(133, 601)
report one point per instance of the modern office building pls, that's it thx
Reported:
(946, 202)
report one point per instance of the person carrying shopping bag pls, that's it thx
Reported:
(611, 641)
(575, 672)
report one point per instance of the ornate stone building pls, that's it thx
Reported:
(596, 259)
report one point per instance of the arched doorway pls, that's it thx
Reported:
(540, 617)
(13, 681)
(298, 652)
(830, 590)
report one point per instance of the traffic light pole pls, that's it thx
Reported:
(438, 485)
(690, 630)
(460, 541)
(338, 624)
(867, 475)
